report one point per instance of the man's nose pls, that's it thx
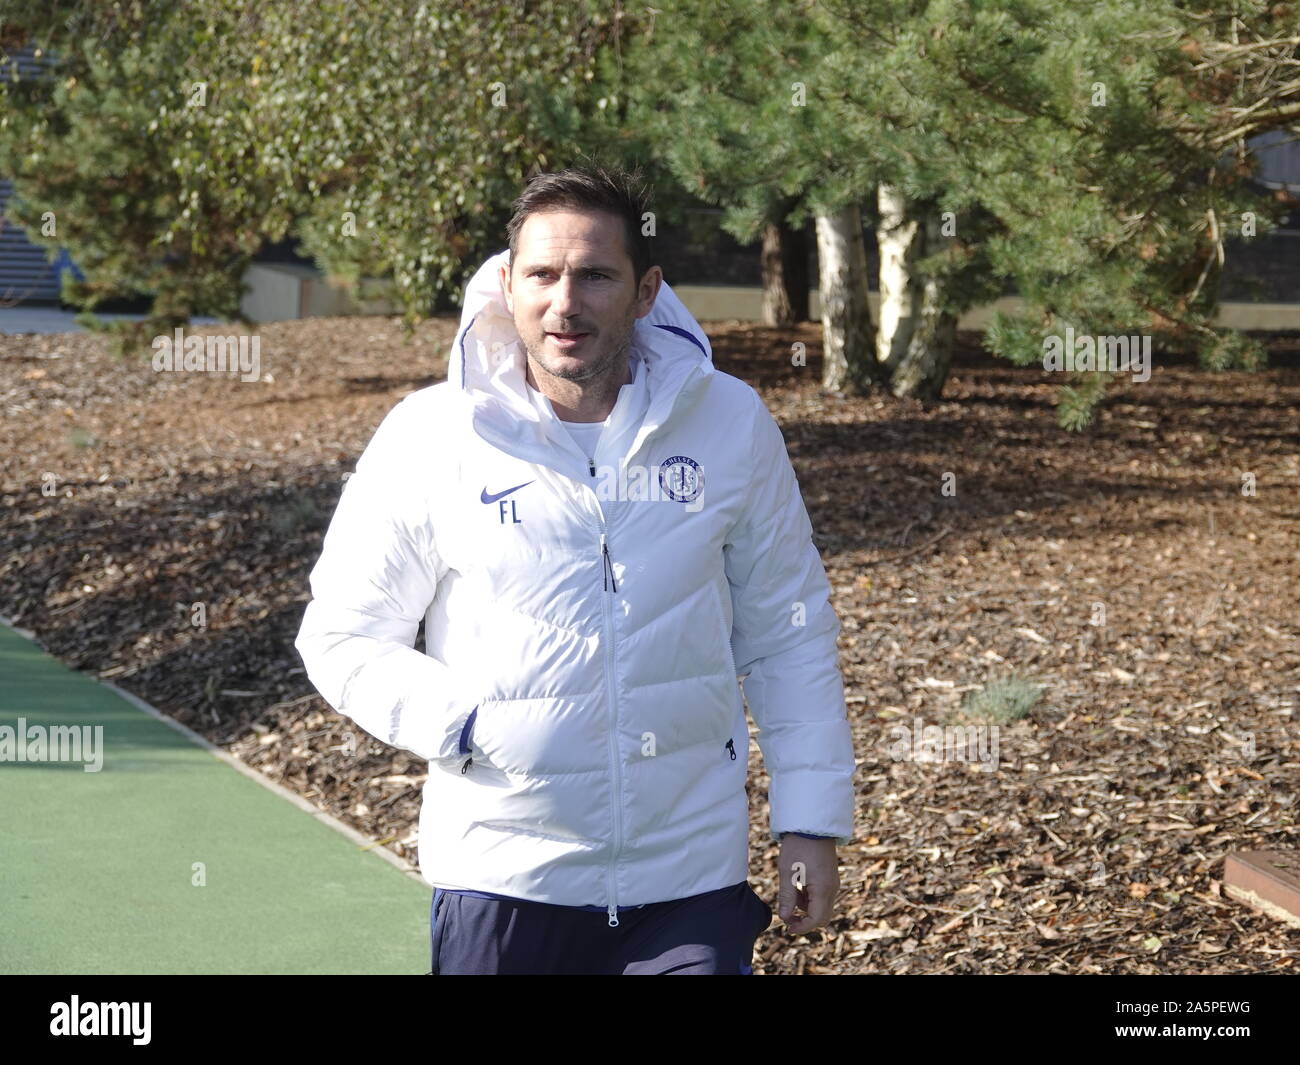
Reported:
(564, 298)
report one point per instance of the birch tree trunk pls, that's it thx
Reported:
(896, 238)
(915, 340)
(848, 344)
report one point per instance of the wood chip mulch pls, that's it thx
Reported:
(1123, 570)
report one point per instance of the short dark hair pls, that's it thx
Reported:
(590, 188)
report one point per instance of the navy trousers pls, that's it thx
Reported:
(708, 934)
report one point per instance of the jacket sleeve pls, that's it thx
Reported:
(784, 633)
(376, 576)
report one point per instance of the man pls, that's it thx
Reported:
(600, 531)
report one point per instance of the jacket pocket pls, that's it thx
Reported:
(467, 732)
(464, 745)
(724, 630)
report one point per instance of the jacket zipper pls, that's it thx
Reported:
(609, 586)
(607, 574)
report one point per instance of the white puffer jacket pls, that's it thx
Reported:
(577, 698)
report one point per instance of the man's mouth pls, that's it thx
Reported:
(567, 340)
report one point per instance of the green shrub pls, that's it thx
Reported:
(1003, 700)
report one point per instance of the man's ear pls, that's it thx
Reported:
(504, 273)
(648, 291)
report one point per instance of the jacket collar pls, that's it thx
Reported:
(487, 367)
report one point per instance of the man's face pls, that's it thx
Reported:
(572, 293)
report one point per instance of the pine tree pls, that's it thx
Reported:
(723, 102)
(765, 109)
(1084, 143)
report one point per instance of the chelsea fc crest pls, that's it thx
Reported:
(681, 478)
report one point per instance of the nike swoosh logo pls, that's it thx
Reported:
(485, 498)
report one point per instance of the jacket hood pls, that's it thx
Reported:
(487, 360)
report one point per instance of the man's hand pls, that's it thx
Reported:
(811, 886)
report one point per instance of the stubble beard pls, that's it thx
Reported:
(611, 365)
